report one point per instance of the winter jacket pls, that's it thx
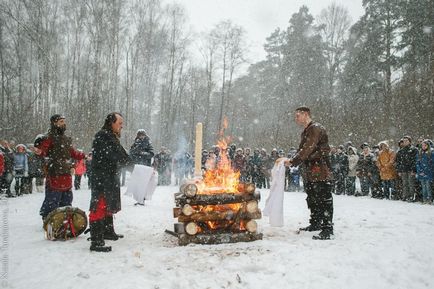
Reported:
(36, 166)
(406, 160)
(21, 165)
(163, 162)
(59, 151)
(365, 165)
(314, 153)
(386, 164)
(80, 168)
(340, 164)
(8, 155)
(239, 163)
(256, 163)
(352, 164)
(425, 165)
(108, 158)
(142, 151)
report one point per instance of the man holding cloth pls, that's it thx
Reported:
(313, 154)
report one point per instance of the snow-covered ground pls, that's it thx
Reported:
(378, 244)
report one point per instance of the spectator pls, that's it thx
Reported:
(80, 170)
(163, 163)
(21, 170)
(364, 168)
(386, 166)
(7, 177)
(406, 168)
(341, 170)
(142, 151)
(353, 158)
(36, 168)
(425, 170)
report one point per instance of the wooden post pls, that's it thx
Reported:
(198, 152)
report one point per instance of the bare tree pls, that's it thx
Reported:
(334, 23)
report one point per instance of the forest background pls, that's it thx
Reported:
(371, 80)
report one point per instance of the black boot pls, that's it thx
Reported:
(327, 221)
(325, 234)
(311, 228)
(109, 231)
(97, 237)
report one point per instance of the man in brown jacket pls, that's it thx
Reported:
(313, 154)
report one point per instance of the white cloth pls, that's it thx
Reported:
(274, 203)
(142, 183)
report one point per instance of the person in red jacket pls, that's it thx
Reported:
(80, 169)
(57, 148)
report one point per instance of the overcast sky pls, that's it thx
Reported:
(259, 17)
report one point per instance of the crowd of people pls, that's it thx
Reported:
(405, 174)
(402, 174)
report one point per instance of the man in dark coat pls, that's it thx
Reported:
(341, 170)
(58, 149)
(36, 168)
(406, 168)
(108, 157)
(142, 151)
(163, 165)
(313, 153)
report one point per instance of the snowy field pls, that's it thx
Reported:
(378, 244)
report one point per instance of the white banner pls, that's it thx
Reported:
(142, 183)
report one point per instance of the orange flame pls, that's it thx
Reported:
(235, 207)
(215, 225)
(222, 179)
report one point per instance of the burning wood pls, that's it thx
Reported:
(217, 218)
(218, 208)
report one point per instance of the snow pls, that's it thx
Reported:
(378, 244)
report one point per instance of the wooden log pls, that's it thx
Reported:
(252, 206)
(191, 228)
(189, 189)
(217, 199)
(252, 226)
(219, 216)
(223, 238)
(188, 210)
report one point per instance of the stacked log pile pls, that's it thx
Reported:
(215, 218)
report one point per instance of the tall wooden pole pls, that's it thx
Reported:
(198, 152)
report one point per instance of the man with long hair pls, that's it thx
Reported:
(108, 157)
